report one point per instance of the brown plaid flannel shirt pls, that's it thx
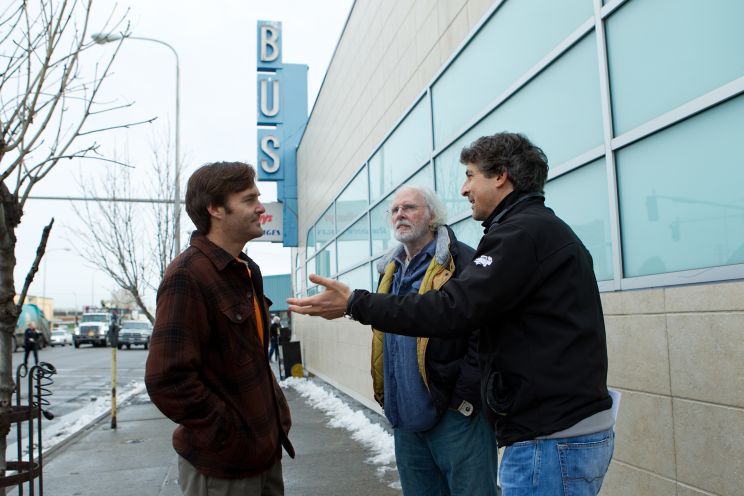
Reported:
(207, 369)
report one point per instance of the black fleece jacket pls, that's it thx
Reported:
(531, 291)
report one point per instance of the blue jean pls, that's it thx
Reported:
(273, 349)
(458, 456)
(573, 466)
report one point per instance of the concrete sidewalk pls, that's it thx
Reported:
(137, 458)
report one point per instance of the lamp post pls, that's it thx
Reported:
(103, 38)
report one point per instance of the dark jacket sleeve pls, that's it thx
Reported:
(467, 386)
(504, 275)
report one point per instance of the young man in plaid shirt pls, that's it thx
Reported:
(208, 367)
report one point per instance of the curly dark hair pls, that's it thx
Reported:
(525, 163)
(210, 184)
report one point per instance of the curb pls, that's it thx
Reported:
(49, 454)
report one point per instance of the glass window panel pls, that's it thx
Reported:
(325, 229)
(580, 199)
(357, 278)
(353, 244)
(298, 275)
(352, 201)
(450, 175)
(468, 231)
(681, 196)
(377, 176)
(375, 273)
(402, 153)
(382, 232)
(424, 177)
(309, 269)
(559, 111)
(489, 64)
(325, 261)
(310, 244)
(663, 53)
(298, 282)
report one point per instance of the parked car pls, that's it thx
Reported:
(61, 337)
(134, 333)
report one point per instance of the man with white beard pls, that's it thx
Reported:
(430, 387)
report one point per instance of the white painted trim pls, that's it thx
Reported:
(684, 111)
(576, 162)
(611, 7)
(607, 134)
(695, 276)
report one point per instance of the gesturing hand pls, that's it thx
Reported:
(329, 304)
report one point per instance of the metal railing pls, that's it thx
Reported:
(29, 464)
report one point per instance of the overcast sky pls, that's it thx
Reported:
(216, 44)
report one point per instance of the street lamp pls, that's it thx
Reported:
(103, 38)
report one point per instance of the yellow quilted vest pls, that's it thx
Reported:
(435, 277)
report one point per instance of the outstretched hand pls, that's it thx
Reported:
(329, 304)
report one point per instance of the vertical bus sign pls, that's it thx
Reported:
(281, 116)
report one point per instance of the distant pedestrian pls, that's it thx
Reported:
(31, 338)
(274, 330)
(207, 368)
(113, 332)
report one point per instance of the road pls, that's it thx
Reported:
(83, 374)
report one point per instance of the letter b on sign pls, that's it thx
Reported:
(269, 45)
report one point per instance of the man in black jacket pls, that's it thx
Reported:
(531, 290)
(430, 387)
(31, 339)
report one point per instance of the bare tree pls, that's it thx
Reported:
(121, 299)
(113, 240)
(133, 249)
(49, 111)
(163, 188)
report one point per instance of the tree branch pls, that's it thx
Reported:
(35, 266)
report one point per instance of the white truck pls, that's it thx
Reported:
(93, 329)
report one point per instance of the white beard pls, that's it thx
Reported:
(414, 233)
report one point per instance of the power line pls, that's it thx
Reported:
(100, 199)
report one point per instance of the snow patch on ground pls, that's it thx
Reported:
(69, 424)
(369, 434)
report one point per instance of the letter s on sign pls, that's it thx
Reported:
(271, 151)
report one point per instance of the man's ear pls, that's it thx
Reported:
(502, 178)
(216, 212)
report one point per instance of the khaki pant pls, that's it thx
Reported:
(194, 483)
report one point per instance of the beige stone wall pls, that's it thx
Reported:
(677, 356)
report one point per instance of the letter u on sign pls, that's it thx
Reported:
(265, 110)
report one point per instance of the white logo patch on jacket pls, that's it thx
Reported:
(483, 260)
